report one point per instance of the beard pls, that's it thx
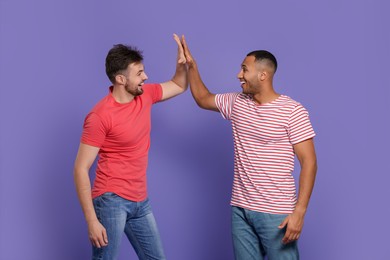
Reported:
(134, 91)
(246, 89)
(250, 87)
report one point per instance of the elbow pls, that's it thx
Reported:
(201, 103)
(76, 172)
(79, 171)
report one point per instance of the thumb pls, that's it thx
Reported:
(284, 223)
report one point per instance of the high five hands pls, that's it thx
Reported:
(183, 53)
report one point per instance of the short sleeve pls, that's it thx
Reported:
(154, 91)
(299, 125)
(94, 131)
(225, 103)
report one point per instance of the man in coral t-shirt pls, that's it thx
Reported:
(118, 130)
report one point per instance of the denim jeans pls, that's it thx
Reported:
(256, 235)
(135, 219)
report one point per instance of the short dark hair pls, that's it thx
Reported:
(119, 57)
(261, 55)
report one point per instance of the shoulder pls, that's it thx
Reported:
(152, 92)
(151, 87)
(288, 103)
(101, 107)
(232, 96)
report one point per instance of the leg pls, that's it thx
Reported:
(266, 226)
(141, 230)
(246, 242)
(112, 216)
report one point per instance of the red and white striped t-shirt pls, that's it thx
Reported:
(263, 150)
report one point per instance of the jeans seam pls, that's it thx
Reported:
(139, 244)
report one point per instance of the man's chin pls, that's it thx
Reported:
(139, 92)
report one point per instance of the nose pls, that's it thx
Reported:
(239, 75)
(145, 76)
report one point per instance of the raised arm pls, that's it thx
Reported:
(199, 91)
(179, 83)
(85, 157)
(306, 155)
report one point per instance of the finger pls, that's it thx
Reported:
(284, 223)
(105, 238)
(296, 236)
(186, 50)
(287, 240)
(180, 56)
(291, 236)
(177, 39)
(286, 237)
(101, 241)
(184, 43)
(95, 243)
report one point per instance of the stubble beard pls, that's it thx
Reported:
(135, 92)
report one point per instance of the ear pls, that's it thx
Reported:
(262, 75)
(120, 79)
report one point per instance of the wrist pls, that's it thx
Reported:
(300, 210)
(92, 221)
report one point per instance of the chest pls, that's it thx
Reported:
(260, 124)
(128, 126)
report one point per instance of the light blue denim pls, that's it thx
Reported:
(135, 219)
(256, 235)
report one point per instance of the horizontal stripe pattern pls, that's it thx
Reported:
(263, 150)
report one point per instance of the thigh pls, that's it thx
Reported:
(246, 243)
(271, 236)
(112, 216)
(142, 232)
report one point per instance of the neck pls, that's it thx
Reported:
(266, 95)
(121, 95)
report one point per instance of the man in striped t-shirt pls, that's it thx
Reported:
(269, 129)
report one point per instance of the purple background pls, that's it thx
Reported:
(333, 58)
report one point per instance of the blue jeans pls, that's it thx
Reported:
(135, 219)
(256, 235)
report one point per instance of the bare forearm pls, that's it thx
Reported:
(180, 77)
(306, 184)
(198, 89)
(83, 187)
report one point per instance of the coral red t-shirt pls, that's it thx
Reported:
(122, 132)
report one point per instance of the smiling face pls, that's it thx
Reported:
(133, 78)
(256, 75)
(250, 75)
